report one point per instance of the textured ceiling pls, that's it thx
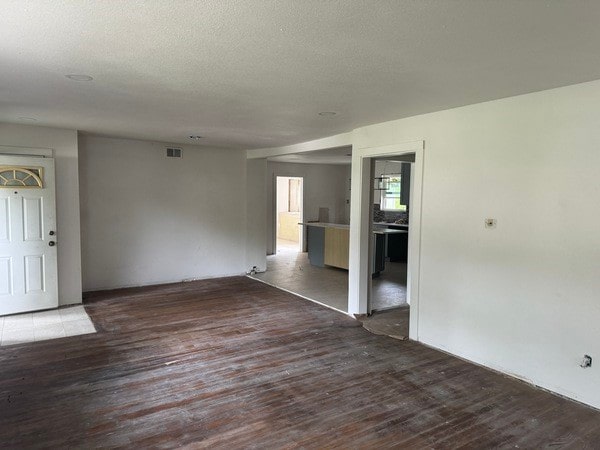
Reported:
(255, 73)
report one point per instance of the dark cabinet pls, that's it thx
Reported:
(378, 254)
(398, 244)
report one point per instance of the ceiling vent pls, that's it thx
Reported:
(173, 152)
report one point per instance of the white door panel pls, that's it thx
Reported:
(5, 276)
(33, 222)
(28, 268)
(5, 220)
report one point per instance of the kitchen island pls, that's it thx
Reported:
(328, 245)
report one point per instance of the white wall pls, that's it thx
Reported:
(150, 219)
(64, 146)
(256, 214)
(325, 185)
(521, 298)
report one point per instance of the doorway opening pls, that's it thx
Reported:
(390, 210)
(289, 192)
(388, 300)
(316, 265)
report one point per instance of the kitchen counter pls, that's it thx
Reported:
(328, 244)
(390, 224)
(396, 242)
(389, 231)
(326, 225)
(380, 227)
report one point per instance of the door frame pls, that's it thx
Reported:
(302, 230)
(9, 150)
(361, 225)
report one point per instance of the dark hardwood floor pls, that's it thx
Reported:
(234, 363)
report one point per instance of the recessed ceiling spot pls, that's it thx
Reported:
(195, 136)
(28, 119)
(327, 113)
(76, 77)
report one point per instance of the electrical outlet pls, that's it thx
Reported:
(490, 223)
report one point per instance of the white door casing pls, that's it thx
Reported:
(28, 261)
(360, 258)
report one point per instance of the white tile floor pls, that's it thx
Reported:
(44, 325)
(292, 271)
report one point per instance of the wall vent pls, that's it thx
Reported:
(173, 152)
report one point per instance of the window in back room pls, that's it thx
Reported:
(391, 198)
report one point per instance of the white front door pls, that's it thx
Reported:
(28, 270)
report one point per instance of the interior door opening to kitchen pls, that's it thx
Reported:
(289, 214)
(389, 213)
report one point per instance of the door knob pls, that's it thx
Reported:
(51, 243)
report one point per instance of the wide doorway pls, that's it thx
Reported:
(307, 193)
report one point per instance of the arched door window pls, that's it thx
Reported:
(20, 177)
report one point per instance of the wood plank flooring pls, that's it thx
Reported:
(234, 363)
